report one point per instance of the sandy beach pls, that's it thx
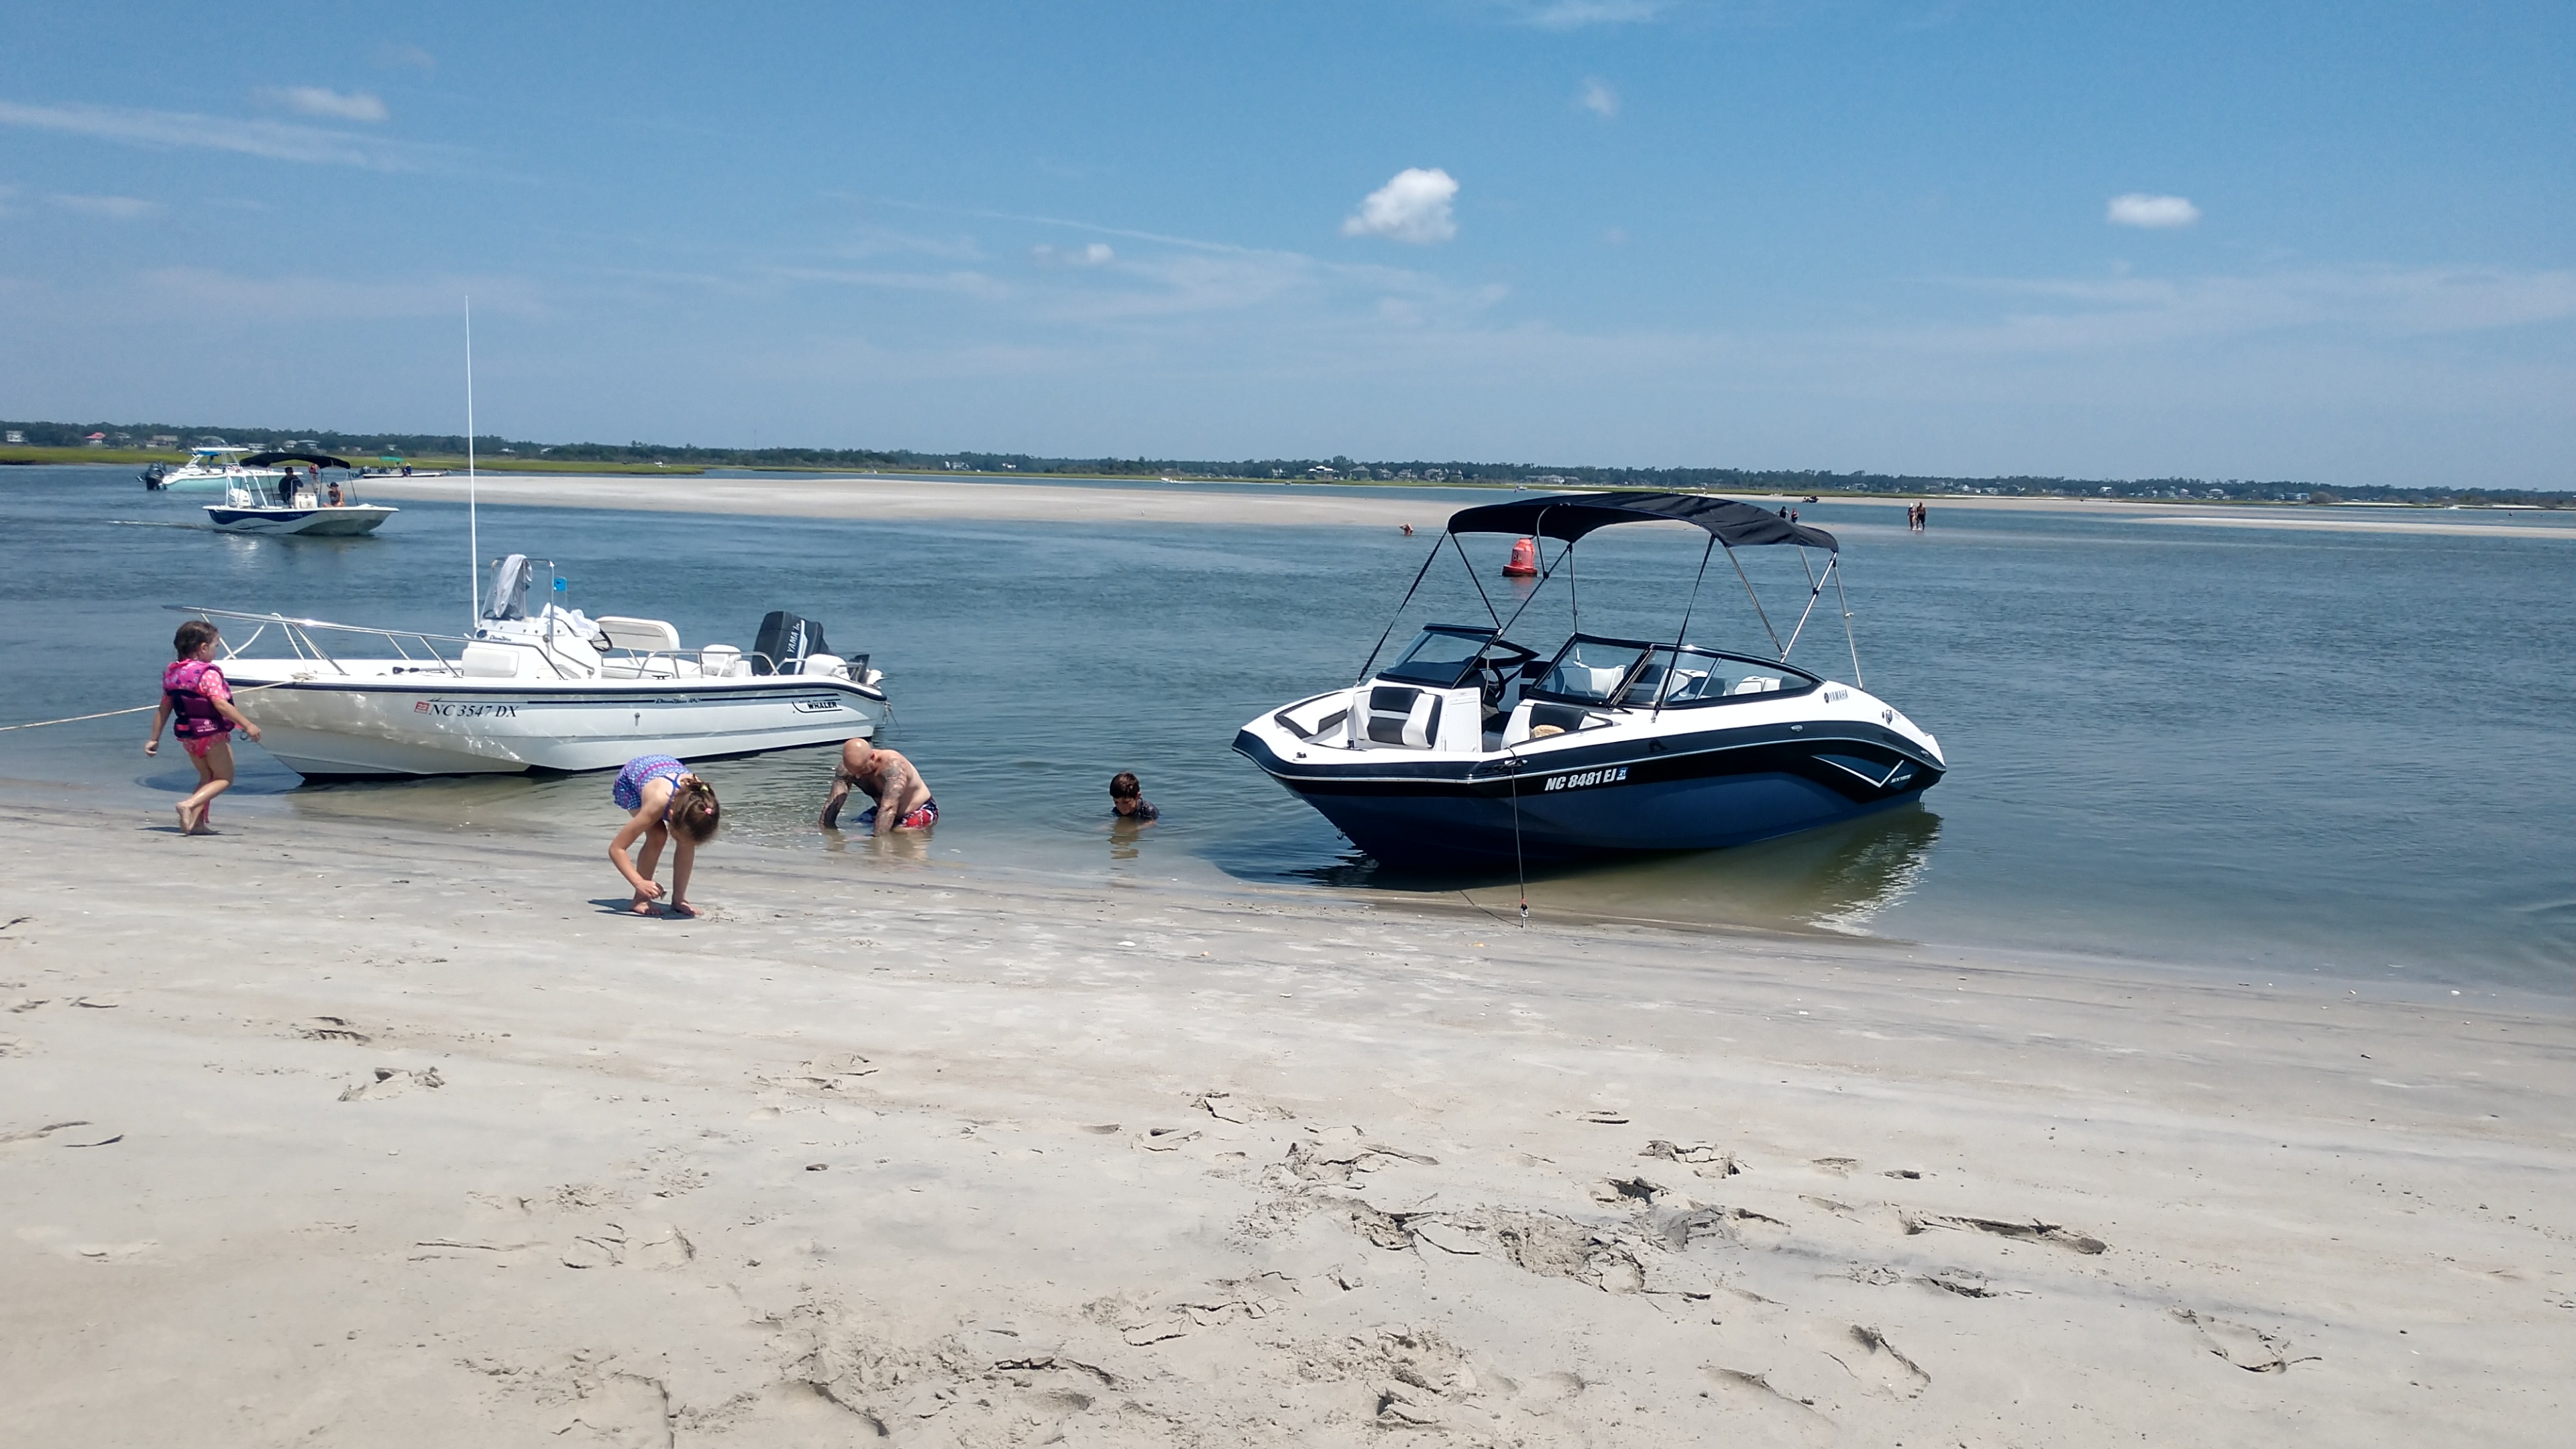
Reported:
(387, 1135)
(889, 499)
(898, 498)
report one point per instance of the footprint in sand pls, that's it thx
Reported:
(2240, 1346)
(1866, 1355)
(2031, 1231)
(1704, 1158)
(392, 1082)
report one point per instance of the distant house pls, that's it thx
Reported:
(164, 440)
(1320, 471)
(15, 436)
(96, 440)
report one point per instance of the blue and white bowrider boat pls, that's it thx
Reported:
(1471, 749)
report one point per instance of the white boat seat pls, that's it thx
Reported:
(822, 664)
(641, 635)
(1406, 717)
(721, 661)
(1687, 684)
(1597, 680)
(492, 661)
(1757, 684)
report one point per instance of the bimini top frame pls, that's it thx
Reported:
(1567, 517)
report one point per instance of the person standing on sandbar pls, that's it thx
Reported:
(902, 796)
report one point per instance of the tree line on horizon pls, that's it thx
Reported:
(377, 446)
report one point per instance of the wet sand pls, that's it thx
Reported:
(400, 1136)
(1319, 506)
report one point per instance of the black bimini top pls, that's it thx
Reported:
(1569, 516)
(318, 460)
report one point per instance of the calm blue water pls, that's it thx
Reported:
(2214, 746)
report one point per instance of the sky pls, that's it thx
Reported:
(2332, 243)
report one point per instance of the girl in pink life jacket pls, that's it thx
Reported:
(193, 689)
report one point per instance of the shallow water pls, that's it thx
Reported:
(2261, 749)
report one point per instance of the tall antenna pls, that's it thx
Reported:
(473, 534)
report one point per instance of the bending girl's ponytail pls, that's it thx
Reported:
(695, 812)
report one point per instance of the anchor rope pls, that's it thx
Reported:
(113, 713)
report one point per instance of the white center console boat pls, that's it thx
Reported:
(548, 690)
(1472, 750)
(262, 497)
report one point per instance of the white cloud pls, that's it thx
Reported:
(326, 102)
(961, 283)
(205, 294)
(1413, 207)
(1094, 254)
(2122, 313)
(275, 140)
(2139, 209)
(406, 55)
(1576, 14)
(116, 208)
(1598, 98)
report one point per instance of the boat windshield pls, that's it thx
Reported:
(1444, 656)
(1631, 675)
(1691, 676)
(1590, 671)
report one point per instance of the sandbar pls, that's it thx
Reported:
(393, 1135)
(903, 498)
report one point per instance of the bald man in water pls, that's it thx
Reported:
(902, 796)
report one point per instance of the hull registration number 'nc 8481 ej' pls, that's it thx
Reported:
(1589, 777)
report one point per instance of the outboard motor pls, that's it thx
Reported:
(509, 596)
(783, 643)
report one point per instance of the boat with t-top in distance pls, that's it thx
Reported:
(543, 688)
(1472, 750)
(269, 495)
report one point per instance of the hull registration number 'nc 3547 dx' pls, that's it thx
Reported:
(464, 711)
(1588, 777)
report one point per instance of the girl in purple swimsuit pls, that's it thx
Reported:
(666, 802)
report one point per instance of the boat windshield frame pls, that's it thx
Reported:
(1622, 694)
(1452, 674)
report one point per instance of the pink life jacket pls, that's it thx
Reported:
(183, 686)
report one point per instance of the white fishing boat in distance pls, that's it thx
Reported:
(262, 497)
(210, 469)
(549, 690)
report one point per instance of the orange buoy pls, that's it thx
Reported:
(1524, 564)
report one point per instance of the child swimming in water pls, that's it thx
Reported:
(668, 803)
(193, 688)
